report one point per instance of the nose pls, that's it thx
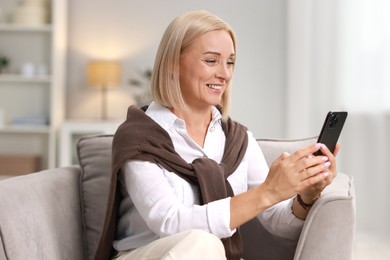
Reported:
(224, 71)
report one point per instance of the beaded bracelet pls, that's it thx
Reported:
(305, 205)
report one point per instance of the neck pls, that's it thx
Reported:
(197, 122)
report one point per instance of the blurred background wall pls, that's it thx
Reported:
(131, 31)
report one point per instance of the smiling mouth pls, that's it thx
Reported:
(215, 87)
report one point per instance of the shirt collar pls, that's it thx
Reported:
(165, 118)
(162, 115)
(216, 116)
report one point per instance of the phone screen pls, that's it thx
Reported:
(331, 129)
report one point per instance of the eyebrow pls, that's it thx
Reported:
(219, 54)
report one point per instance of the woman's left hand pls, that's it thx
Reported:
(313, 192)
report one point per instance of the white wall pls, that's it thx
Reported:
(131, 30)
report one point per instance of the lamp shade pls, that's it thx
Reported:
(104, 73)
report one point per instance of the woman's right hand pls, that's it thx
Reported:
(291, 174)
(288, 175)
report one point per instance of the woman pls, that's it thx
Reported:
(188, 175)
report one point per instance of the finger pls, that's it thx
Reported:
(318, 168)
(313, 191)
(320, 186)
(325, 151)
(336, 150)
(332, 159)
(315, 179)
(305, 152)
(311, 161)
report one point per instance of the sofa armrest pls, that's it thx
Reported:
(2, 253)
(329, 228)
(40, 216)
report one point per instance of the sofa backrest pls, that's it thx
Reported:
(94, 153)
(40, 216)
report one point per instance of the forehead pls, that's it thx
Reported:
(217, 41)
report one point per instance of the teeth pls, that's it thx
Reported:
(214, 86)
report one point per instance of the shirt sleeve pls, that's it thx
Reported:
(166, 203)
(277, 219)
(257, 166)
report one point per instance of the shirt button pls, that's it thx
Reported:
(212, 129)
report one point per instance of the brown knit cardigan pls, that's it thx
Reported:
(141, 138)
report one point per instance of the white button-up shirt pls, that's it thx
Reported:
(159, 203)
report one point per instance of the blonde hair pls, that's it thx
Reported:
(177, 38)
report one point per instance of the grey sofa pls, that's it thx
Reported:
(58, 213)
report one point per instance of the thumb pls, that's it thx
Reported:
(336, 150)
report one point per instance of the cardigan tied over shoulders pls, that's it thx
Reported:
(141, 138)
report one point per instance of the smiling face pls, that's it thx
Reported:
(206, 69)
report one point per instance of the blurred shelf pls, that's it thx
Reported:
(24, 129)
(10, 27)
(39, 44)
(27, 79)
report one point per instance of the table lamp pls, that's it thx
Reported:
(104, 74)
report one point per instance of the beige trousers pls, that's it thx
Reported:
(188, 245)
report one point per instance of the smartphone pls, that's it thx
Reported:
(331, 130)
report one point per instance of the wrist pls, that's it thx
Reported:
(307, 202)
(267, 195)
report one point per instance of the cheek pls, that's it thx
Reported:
(185, 80)
(185, 72)
(191, 75)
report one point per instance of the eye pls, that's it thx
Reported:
(211, 61)
(230, 62)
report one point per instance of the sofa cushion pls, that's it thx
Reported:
(94, 154)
